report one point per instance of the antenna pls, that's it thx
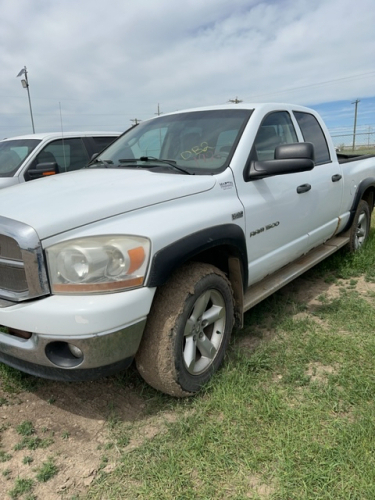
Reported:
(62, 138)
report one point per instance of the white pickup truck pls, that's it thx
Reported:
(27, 157)
(180, 226)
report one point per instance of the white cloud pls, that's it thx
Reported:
(106, 63)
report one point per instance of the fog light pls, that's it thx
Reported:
(76, 351)
(64, 355)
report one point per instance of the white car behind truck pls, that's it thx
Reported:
(29, 157)
(174, 231)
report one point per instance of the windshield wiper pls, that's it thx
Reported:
(152, 159)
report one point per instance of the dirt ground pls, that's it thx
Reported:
(72, 419)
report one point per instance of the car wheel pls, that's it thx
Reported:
(187, 331)
(360, 229)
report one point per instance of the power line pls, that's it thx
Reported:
(316, 84)
(352, 77)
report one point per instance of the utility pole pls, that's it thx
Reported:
(235, 101)
(135, 121)
(158, 111)
(355, 120)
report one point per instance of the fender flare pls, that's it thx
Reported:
(362, 187)
(169, 258)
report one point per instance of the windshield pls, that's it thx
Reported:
(198, 142)
(13, 153)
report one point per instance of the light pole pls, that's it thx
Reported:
(25, 85)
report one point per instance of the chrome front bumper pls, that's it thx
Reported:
(72, 357)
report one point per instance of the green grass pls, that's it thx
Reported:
(4, 457)
(46, 471)
(293, 418)
(25, 428)
(290, 416)
(29, 440)
(27, 460)
(33, 443)
(13, 381)
(21, 487)
(6, 473)
(341, 266)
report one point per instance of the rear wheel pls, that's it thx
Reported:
(360, 229)
(187, 331)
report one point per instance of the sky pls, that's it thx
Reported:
(100, 66)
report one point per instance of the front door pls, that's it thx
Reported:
(278, 209)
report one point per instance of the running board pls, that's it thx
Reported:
(259, 291)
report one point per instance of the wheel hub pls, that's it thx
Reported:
(203, 331)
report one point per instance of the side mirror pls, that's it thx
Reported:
(289, 159)
(303, 150)
(43, 170)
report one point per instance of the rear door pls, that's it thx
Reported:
(326, 182)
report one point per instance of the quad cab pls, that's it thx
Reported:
(157, 249)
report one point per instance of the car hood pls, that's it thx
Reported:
(8, 181)
(62, 202)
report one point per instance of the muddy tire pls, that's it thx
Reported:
(360, 230)
(187, 331)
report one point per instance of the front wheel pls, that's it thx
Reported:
(360, 229)
(187, 331)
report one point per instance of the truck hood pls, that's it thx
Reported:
(8, 181)
(66, 201)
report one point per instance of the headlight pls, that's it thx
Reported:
(98, 264)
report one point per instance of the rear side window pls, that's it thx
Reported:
(313, 133)
(102, 142)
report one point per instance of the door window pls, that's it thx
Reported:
(13, 153)
(69, 154)
(102, 142)
(276, 128)
(313, 133)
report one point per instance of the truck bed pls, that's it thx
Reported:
(345, 158)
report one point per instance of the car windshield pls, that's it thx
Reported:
(199, 142)
(13, 153)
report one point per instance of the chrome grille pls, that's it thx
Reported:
(22, 268)
(12, 278)
(9, 248)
